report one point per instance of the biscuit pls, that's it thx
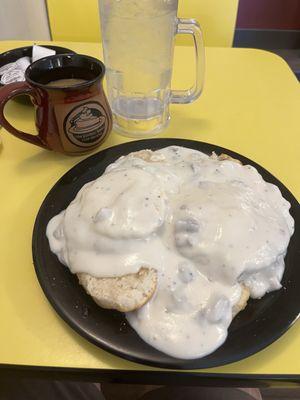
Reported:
(125, 293)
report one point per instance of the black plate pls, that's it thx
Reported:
(262, 322)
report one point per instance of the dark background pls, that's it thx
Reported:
(272, 25)
(269, 14)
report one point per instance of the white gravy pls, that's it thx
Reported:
(207, 226)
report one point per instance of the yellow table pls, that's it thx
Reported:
(251, 104)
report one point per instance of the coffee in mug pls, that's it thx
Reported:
(65, 82)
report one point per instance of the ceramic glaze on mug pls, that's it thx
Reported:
(72, 113)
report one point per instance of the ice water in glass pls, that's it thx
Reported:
(138, 41)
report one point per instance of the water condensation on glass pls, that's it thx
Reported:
(138, 39)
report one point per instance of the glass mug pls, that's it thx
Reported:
(138, 43)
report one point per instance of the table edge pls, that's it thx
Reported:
(167, 377)
(271, 54)
(228, 379)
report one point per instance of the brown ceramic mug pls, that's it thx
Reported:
(72, 113)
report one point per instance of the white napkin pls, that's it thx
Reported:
(40, 52)
(15, 75)
(23, 63)
(6, 68)
(15, 71)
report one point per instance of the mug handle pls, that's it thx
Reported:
(7, 93)
(191, 27)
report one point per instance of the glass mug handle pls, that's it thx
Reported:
(191, 27)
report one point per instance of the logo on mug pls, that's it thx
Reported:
(86, 124)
